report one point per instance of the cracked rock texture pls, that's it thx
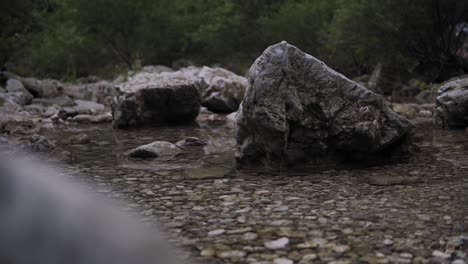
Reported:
(297, 110)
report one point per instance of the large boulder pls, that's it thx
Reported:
(452, 104)
(224, 90)
(298, 111)
(157, 99)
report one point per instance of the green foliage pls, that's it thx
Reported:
(69, 38)
(301, 23)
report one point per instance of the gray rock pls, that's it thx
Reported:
(40, 143)
(47, 88)
(35, 109)
(63, 101)
(101, 92)
(452, 105)
(8, 105)
(19, 98)
(277, 244)
(78, 139)
(225, 89)
(154, 150)
(156, 99)
(51, 110)
(16, 88)
(81, 107)
(440, 254)
(191, 142)
(299, 111)
(95, 119)
(156, 69)
(282, 261)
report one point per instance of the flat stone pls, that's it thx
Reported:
(283, 261)
(216, 232)
(440, 254)
(277, 244)
(232, 254)
(249, 236)
(207, 252)
(154, 150)
(388, 242)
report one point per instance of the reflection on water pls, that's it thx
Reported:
(445, 145)
(217, 158)
(107, 147)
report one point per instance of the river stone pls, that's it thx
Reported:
(154, 150)
(191, 142)
(452, 104)
(101, 92)
(78, 139)
(156, 99)
(298, 111)
(225, 90)
(81, 107)
(16, 88)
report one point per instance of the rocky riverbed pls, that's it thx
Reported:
(411, 212)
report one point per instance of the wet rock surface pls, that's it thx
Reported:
(452, 104)
(298, 111)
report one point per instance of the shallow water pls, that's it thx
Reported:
(340, 213)
(107, 147)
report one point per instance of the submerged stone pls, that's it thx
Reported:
(154, 150)
(299, 111)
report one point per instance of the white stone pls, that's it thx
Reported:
(277, 244)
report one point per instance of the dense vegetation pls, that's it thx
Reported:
(69, 38)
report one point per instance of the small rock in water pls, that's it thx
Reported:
(154, 150)
(277, 244)
(78, 139)
(191, 142)
(40, 144)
